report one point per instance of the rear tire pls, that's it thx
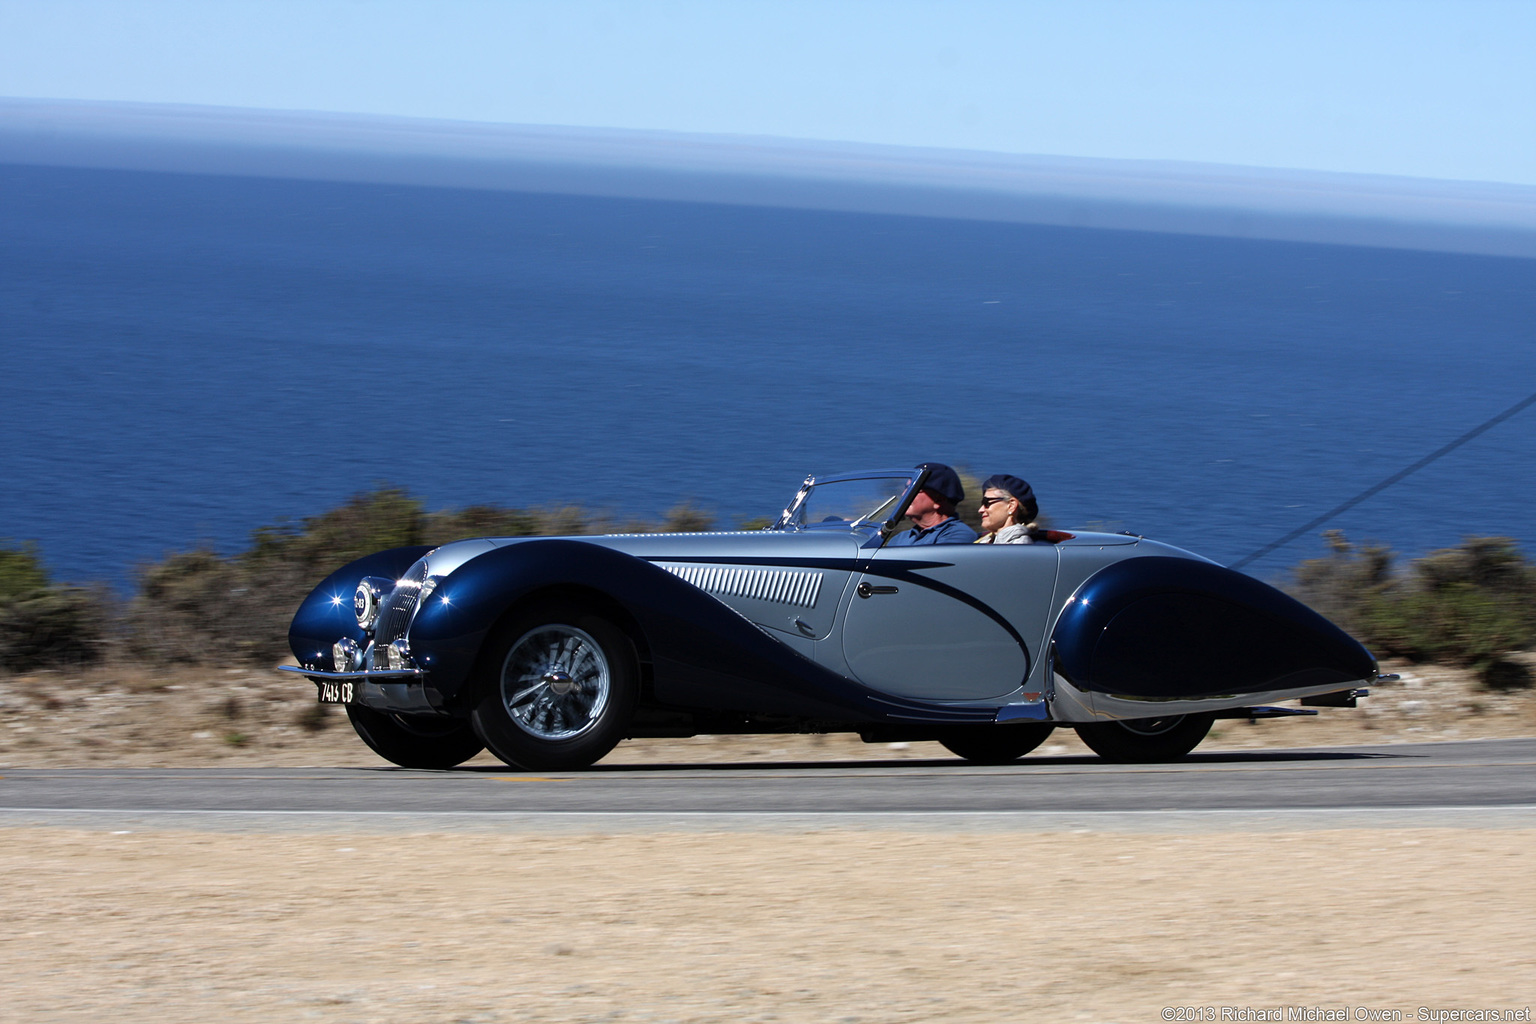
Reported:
(415, 741)
(557, 689)
(995, 744)
(1145, 740)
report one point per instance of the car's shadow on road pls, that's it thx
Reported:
(1022, 766)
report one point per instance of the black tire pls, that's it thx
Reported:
(996, 744)
(415, 741)
(557, 689)
(1143, 740)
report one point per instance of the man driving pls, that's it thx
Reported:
(932, 511)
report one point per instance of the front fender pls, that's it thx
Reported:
(1159, 627)
(704, 653)
(326, 615)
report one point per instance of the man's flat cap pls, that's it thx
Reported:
(943, 481)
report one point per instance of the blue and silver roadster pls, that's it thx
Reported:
(549, 651)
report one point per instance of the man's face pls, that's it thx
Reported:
(922, 505)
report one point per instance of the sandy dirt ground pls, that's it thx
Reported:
(813, 927)
(188, 716)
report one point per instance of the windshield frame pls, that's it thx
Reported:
(914, 477)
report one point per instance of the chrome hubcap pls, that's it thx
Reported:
(559, 682)
(555, 683)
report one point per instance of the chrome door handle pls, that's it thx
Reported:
(864, 590)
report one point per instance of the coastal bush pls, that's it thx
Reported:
(1458, 625)
(197, 606)
(385, 518)
(44, 624)
(200, 606)
(685, 518)
(21, 572)
(1473, 605)
(1346, 584)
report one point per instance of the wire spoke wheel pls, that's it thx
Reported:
(995, 744)
(1142, 740)
(555, 682)
(557, 688)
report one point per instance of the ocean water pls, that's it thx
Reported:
(188, 357)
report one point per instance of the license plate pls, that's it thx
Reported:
(338, 691)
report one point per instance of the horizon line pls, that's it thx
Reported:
(1168, 196)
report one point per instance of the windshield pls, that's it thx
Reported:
(841, 502)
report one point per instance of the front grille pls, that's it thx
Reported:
(400, 605)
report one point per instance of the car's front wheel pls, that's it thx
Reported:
(558, 689)
(1141, 740)
(415, 741)
(995, 744)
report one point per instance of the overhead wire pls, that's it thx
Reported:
(1369, 492)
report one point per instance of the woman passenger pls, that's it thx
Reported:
(1008, 511)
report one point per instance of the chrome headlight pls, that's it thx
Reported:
(398, 654)
(346, 656)
(369, 598)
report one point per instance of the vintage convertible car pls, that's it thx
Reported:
(549, 651)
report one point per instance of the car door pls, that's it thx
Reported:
(950, 621)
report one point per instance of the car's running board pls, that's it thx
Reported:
(1264, 712)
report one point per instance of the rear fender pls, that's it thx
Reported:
(1159, 628)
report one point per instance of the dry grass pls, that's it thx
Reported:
(187, 716)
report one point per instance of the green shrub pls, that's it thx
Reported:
(1347, 583)
(197, 606)
(688, 518)
(1492, 565)
(386, 518)
(1457, 625)
(44, 624)
(21, 572)
(491, 521)
(1473, 605)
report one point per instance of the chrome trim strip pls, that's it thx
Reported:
(1031, 712)
(374, 673)
(1106, 706)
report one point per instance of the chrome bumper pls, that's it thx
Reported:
(368, 673)
(398, 690)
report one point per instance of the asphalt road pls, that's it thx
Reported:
(1425, 781)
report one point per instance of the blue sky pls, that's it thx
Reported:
(1429, 89)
